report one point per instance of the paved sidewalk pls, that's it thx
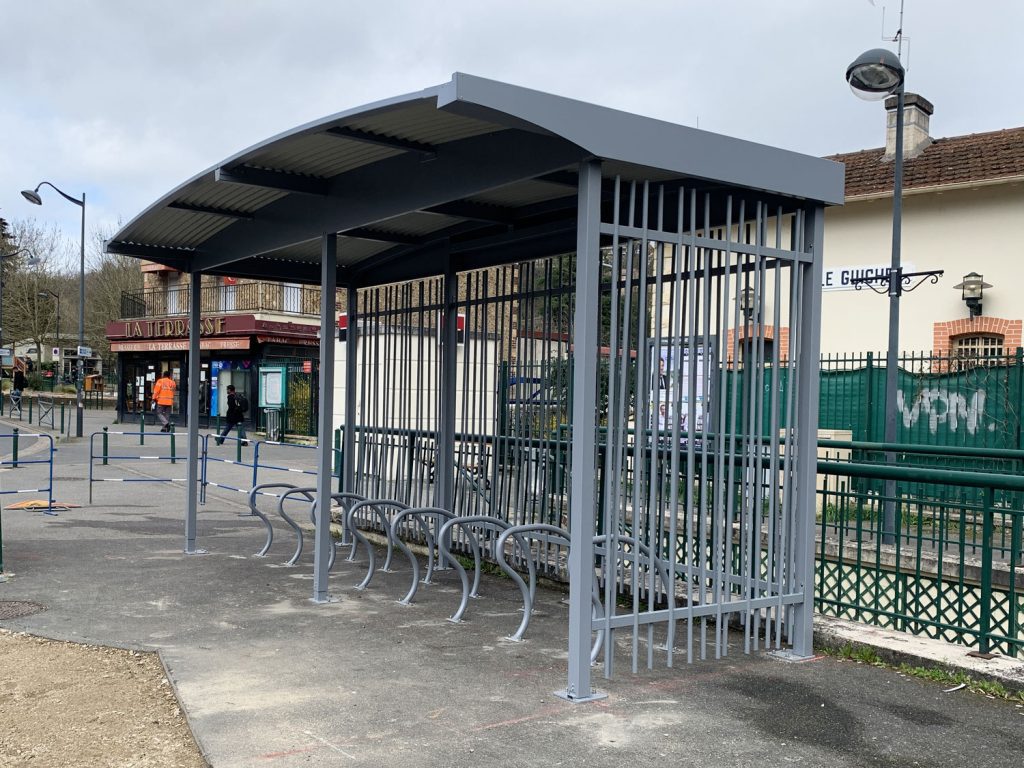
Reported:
(270, 679)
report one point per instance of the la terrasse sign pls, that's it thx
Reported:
(171, 328)
(840, 278)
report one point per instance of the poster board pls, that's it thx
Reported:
(272, 386)
(681, 386)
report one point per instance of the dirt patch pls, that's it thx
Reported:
(63, 704)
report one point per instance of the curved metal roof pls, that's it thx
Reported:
(445, 173)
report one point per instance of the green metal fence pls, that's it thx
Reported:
(941, 400)
(953, 569)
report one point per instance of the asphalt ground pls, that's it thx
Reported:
(268, 678)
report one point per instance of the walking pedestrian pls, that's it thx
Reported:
(18, 383)
(237, 406)
(163, 399)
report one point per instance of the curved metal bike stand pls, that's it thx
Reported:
(345, 501)
(259, 490)
(371, 508)
(334, 544)
(310, 494)
(553, 535)
(467, 524)
(423, 517)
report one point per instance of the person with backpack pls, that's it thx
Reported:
(238, 404)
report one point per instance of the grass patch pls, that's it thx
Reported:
(941, 675)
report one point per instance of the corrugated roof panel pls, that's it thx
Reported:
(231, 197)
(177, 229)
(320, 155)
(350, 251)
(630, 172)
(523, 193)
(423, 123)
(544, 133)
(415, 223)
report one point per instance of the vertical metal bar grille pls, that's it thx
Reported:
(701, 316)
(701, 308)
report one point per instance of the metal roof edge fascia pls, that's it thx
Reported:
(310, 127)
(616, 135)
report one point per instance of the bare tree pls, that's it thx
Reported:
(39, 268)
(108, 277)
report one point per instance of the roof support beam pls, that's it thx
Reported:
(177, 258)
(465, 209)
(283, 182)
(240, 215)
(562, 178)
(399, 264)
(391, 187)
(269, 269)
(425, 151)
(380, 236)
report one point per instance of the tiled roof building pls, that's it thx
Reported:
(963, 208)
(977, 157)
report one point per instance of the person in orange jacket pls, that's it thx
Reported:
(163, 399)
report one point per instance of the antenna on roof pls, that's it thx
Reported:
(897, 37)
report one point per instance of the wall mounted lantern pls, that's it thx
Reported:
(972, 288)
(745, 299)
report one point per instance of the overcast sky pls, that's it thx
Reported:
(125, 99)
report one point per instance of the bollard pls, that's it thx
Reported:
(106, 437)
(337, 451)
(238, 447)
(62, 418)
(172, 444)
(30, 410)
(142, 428)
(14, 449)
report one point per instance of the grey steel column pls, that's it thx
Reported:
(807, 439)
(351, 384)
(583, 499)
(328, 336)
(192, 407)
(444, 477)
(80, 382)
(892, 351)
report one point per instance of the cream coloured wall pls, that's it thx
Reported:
(961, 230)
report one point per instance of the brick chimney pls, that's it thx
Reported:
(917, 112)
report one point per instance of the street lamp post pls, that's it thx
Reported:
(873, 76)
(32, 195)
(60, 351)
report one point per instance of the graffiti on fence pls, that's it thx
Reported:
(940, 406)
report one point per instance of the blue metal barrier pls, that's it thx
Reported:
(15, 462)
(278, 468)
(106, 457)
(239, 443)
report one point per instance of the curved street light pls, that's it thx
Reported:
(873, 76)
(33, 196)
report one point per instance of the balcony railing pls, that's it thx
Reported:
(240, 298)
